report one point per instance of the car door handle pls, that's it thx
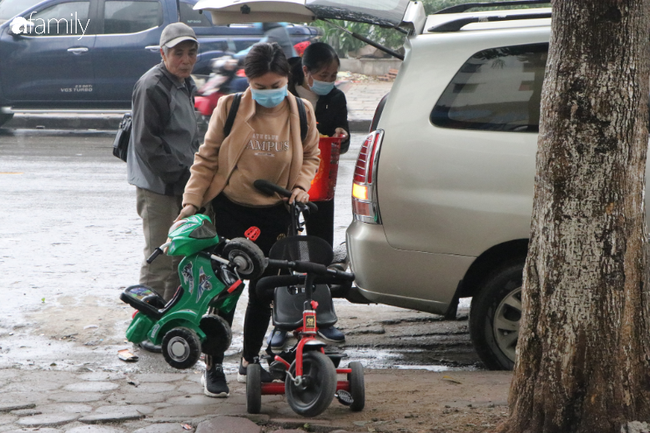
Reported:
(78, 50)
(152, 48)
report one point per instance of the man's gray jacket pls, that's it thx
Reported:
(165, 134)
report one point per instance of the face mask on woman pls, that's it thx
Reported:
(321, 88)
(269, 98)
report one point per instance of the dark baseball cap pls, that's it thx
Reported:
(175, 33)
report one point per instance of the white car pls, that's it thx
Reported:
(443, 188)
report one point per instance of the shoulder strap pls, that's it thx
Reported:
(227, 127)
(232, 114)
(303, 118)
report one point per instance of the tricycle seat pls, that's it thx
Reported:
(288, 305)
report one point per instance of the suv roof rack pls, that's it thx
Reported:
(467, 6)
(457, 24)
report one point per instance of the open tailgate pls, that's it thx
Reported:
(380, 12)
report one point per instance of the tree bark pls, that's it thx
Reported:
(584, 349)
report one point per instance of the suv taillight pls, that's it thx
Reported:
(364, 186)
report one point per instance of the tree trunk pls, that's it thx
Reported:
(583, 352)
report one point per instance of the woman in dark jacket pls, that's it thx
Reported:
(313, 79)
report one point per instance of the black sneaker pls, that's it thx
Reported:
(214, 382)
(265, 376)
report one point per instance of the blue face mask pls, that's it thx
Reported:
(322, 88)
(269, 98)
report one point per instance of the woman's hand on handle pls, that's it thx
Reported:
(299, 195)
(187, 211)
(341, 133)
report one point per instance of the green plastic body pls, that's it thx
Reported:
(199, 283)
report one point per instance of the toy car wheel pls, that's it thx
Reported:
(218, 334)
(181, 348)
(247, 256)
(253, 388)
(315, 391)
(357, 387)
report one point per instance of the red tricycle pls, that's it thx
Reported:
(302, 302)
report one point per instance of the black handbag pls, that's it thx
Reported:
(121, 143)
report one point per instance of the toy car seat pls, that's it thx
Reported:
(147, 301)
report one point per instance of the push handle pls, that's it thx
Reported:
(269, 188)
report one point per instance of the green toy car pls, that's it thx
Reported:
(211, 275)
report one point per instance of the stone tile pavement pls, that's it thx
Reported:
(121, 402)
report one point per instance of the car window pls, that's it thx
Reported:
(11, 8)
(131, 16)
(495, 90)
(61, 19)
(191, 17)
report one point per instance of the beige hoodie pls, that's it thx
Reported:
(218, 156)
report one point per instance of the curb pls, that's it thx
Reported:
(108, 121)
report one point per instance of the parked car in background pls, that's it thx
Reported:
(76, 54)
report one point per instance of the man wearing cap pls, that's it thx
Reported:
(164, 139)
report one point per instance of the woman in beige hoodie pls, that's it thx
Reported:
(264, 143)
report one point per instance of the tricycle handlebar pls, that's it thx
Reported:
(269, 188)
(311, 267)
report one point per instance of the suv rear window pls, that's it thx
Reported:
(495, 90)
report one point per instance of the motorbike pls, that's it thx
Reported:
(302, 302)
(227, 77)
(225, 70)
(211, 273)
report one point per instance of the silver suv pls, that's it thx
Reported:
(443, 188)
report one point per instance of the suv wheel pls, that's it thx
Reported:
(494, 317)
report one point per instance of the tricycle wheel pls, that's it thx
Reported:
(357, 387)
(247, 256)
(181, 348)
(253, 388)
(316, 390)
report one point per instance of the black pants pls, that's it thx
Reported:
(321, 223)
(231, 221)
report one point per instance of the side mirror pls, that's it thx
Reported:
(20, 26)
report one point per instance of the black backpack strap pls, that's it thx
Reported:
(231, 114)
(303, 118)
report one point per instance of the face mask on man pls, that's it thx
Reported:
(269, 98)
(322, 88)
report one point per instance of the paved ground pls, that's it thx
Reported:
(119, 402)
